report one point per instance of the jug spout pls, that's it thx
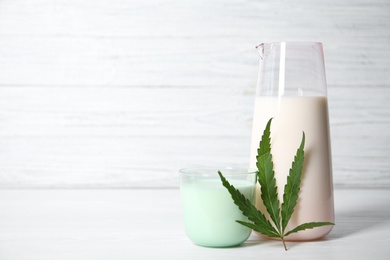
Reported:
(260, 49)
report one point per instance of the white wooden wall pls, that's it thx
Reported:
(122, 93)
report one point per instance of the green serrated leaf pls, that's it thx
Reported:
(280, 215)
(266, 177)
(265, 142)
(292, 187)
(259, 228)
(260, 222)
(308, 226)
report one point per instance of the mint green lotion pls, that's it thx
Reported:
(210, 214)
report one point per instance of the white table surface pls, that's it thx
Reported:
(147, 224)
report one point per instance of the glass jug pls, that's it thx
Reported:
(292, 90)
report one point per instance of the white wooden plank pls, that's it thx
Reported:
(147, 224)
(122, 93)
(125, 42)
(117, 137)
(126, 137)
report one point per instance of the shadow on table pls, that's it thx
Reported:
(353, 221)
(347, 222)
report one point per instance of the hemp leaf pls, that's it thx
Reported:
(279, 215)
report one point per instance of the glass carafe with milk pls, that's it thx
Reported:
(292, 90)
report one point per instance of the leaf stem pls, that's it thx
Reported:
(284, 243)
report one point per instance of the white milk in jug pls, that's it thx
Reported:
(292, 116)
